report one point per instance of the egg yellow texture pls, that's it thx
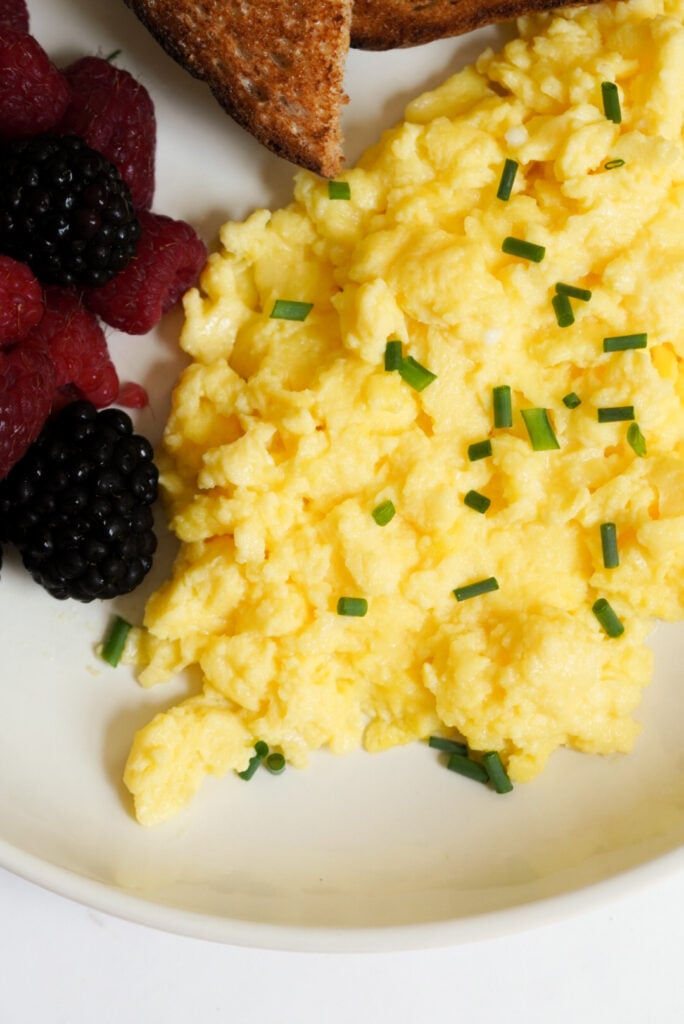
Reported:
(286, 435)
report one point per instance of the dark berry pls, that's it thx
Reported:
(65, 211)
(114, 114)
(167, 262)
(21, 301)
(75, 341)
(34, 94)
(68, 524)
(14, 14)
(27, 384)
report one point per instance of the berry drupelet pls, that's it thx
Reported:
(78, 505)
(65, 211)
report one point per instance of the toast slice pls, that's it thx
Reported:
(277, 67)
(392, 24)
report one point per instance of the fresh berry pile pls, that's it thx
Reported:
(81, 250)
(78, 505)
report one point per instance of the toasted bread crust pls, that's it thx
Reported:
(393, 24)
(277, 68)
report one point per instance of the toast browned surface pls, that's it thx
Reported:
(277, 67)
(391, 24)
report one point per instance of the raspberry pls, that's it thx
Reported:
(65, 211)
(167, 262)
(77, 347)
(33, 93)
(132, 396)
(27, 383)
(78, 505)
(114, 114)
(21, 301)
(14, 14)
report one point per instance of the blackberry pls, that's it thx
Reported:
(65, 211)
(78, 505)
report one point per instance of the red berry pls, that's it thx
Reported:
(77, 346)
(33, 93)
(27, 383)
(132, 396)
(167, 262)
(21, 301)
(114, 114)
(14, 14)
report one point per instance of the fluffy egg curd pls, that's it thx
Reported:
(426, 464)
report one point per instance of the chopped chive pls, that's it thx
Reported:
(394, 354)
(113, 55)
(414, 374)
(339, 190)
(464, 766)
(609, 546)
(611, 102)
(383, 512)
(636, 440)
(540, 430)
(563, 310)
(479, 450)
(498, 775)
(611, 165)
(475, 589)
(355, 606)
(286, 309)
(275, 763)
(607, 618)
(615, 413)
(572, 400)
(448, 746)
(623, 342)
(501, 400)
(478, 502)
(260, 752)
(573, 292)
(510, 169)
(116, 641)
(526, 250)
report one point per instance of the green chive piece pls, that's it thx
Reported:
(611, 102)
(448, 746)
(275, 763)
(563, 310)
(355, 606)
(339, 190)
(414, 374)
(510, 169)
(615, 413)
(260, 752)
(498, 776)
(572, 400)
(475, 589)
(611, 165)
(479, 450)
(636, 440)
(573, 292)
(464, 766)
(116, 641)
(383, 512)
(609, 546)
(503, 410)
(394, 354)
(525, 250)
(113, 55)
(286, 309)
(540, 430)
(607, 618)
(623, 342)
(478, 502)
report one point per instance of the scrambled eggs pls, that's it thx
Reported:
(307, 461)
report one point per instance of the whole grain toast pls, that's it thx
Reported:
(277, 67)
(392, 24)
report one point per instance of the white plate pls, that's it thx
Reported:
(355, 853)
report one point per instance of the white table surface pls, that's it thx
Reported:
(619, 963)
